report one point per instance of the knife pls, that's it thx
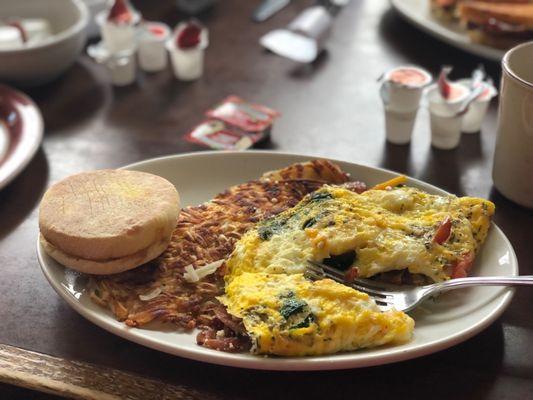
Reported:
(268, 8)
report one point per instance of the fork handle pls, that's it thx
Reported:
(485, 281)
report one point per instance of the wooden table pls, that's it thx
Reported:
(330, 109)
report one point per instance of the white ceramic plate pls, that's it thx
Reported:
(418, 12)
(455, 317)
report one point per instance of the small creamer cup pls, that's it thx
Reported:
(118, 37)
(121, 65)
(445, 121)
(123, 68)
(473, 118)
(403, 97)
(188, 63)
(401, 102)
(152, 50)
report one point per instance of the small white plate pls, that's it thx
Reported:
(418, 12)
(453, 318)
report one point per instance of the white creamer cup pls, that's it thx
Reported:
(513, 158)
(188, 64)
(118, 37)
(403, 97)
(121, 65)
(123, 68)
(444, 119)
(401, 102)
(152, 50)
(477, 110)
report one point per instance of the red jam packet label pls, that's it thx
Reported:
(219, 136)
(246, 116)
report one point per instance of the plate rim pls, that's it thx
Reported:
(441, 32)
(30, 141)
(396, 354)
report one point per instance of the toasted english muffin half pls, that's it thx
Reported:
(106, 215)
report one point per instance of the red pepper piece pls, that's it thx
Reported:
(461, 268)
(351, 274)
(443, 231)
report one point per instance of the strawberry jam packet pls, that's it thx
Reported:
(218, 135)
(247, 116)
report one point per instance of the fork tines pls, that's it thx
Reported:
(316, 271)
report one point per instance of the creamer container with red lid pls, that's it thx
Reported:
(187, 47)
(152, 51)
(401, 91)
(473, 118)
(445, 118)
(118, 26)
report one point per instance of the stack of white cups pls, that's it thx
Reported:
(401, 91)
(119, 43)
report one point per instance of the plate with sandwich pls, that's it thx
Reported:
(485, 28)
(204, 256)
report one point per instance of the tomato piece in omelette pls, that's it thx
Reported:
(289, 315)
(378, 231)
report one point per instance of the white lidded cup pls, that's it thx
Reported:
(121, 65)
(445, 120)
(477, 110)
(187, 63)
(118, 36)
(151, 46)
(401, 91)
(513, 158)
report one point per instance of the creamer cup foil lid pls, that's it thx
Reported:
(408, 76)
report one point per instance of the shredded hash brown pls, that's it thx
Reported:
(204, 234)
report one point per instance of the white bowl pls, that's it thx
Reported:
(41, 62)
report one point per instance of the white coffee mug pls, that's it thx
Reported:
(513, 159)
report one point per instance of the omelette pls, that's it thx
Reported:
(425, 237)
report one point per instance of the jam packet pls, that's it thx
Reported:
(219, 135)
(246, 116)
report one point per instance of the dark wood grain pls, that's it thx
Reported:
(82, 380)
(330, 108)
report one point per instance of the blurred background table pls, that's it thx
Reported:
(330, 109)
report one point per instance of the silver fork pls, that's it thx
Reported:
(405, 298)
